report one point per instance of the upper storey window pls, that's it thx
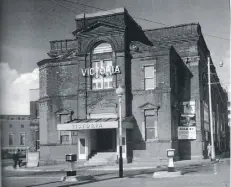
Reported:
(102, 67)
(149, 77)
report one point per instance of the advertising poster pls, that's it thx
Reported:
(187, 127)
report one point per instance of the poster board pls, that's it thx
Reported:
(32, 159)
(186, 133)
(187, 127)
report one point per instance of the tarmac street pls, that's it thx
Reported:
(210, 175)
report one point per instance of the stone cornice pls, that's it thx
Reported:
(155, 91)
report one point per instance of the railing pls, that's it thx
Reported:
(58, 47)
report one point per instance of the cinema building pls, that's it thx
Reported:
(165, 104)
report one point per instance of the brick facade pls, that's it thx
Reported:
(64, 91)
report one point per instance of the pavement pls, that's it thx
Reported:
(210, 174)
(115, 167)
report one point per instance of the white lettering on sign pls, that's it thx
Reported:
(87, 126)
(83, 126)
(109, 70)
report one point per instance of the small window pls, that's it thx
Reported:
(22, 138)
(11, 139)
(22, 126)
(10, 126)
(149, 77)
(64, 139)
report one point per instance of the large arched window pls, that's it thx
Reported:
(102, 67)
(102, 48)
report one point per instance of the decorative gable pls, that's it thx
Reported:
(149, 106)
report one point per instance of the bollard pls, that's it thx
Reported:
(71, 159)
(170, 155)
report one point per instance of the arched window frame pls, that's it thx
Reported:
(98, 81)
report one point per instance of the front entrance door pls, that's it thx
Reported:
(82, 148)
(106, 140)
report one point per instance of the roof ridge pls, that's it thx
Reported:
(173, 26)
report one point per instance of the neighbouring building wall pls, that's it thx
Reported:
(15, 132)
(34, 118)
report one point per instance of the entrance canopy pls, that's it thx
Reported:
(102, 123)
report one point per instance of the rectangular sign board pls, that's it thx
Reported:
(32, 159)
(85, 126)
(187, 133)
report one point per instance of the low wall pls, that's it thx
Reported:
(55, 153)
(152, 151)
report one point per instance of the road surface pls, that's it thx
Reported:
(214, 175)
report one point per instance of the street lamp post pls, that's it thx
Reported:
(210, 112)
(120, 92)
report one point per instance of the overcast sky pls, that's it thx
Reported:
(27, 26)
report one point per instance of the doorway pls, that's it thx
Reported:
(106, 140)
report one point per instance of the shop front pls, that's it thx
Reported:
(99, 135)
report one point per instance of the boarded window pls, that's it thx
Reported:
(150, 125)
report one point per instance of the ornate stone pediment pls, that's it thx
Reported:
(149, 106)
